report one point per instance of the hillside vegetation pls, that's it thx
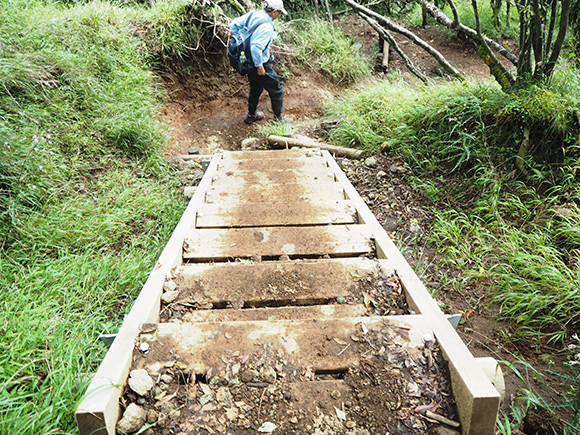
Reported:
(87, 199)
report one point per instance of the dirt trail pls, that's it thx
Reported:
(207, 110)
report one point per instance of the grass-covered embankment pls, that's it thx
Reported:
(86, 201)
(510, 222)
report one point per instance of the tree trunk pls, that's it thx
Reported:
(499, 71)
(564, 16)
(328, 11)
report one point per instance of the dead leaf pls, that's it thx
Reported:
(339, 341)
(231, 413)
(206, 389)
(267, 427)
(208, 407)
(165, 399)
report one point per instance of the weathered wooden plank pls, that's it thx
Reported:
(297, 282)
(222, 244)
(315, 343)
(279, 176)
(276, 313)
(224, 191)
(238, 214)
(302, 163)
(269, 154)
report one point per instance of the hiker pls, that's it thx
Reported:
(262, 76)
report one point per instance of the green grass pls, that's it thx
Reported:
(317, 42)
(458, 132)
(86, 201)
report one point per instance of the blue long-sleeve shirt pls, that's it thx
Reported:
(261, 38)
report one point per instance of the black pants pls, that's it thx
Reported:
(269, 83)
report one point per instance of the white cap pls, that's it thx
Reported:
(276, 5)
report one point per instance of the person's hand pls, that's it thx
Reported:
(261, 71)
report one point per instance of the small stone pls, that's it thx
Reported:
(249, 375)
(133, 419)
(189, 191)
(170, 296)
(166, 378)
(169, 286)
(141, 400)
(415, 228)
(267, 427)
(269, 375)
(349, 424)
(294, 420)
(193, 150)
(152, 416)
(250, 143)
(335, 394)
(140, 381)
(396, 168)
(381, 174)
(371, 161)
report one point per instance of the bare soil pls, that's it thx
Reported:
(206, 110)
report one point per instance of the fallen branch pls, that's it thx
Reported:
(310, 143)
(441, 419)
(443, 19)
(390, 25)
(386, 36)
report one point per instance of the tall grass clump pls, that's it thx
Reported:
(86, 201)
(371, 114)
(318, 42)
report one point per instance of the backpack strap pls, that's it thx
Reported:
(255, 26)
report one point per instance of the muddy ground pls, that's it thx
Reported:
(206, 110)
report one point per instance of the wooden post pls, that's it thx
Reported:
(385, 54)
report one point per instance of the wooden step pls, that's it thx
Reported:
(278, 313)
(282, 176)
(270, 154)
(260, 284)
(223, 191)
(204, 245)
(302, 163)
(321, 344)
(236, 214)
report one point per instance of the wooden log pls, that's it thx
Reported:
(310, 143)
(385, 54)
